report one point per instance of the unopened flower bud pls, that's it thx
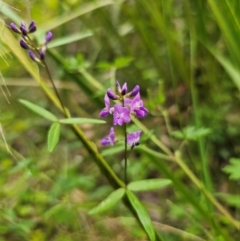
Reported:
(135, 91)
(118, 88)
(111, 94)
(23, 29)
(33, 56)
(124, 89)
(15, 28)
(48, 37)
(32, 27)
(23, 44)
(42, 52)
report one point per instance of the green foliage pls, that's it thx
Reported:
(233, 169)
(185, 57)
(39, 110)
(142, 214)
(81, 121)
(191, 133)
(53, 136)
(147, 185)
(107, 203)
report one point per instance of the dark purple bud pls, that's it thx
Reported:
(48, 37)
(135, 91)
(32, 27)
(111, 95)
(42, 52)
(118, 88)
(23, 44)
(33, 56)
(15, 28)
(23, 28)
(124, 89)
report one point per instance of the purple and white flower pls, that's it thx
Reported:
(137, 107)
(107, 110)
(121, 115)
(133, 138)
(110, 139)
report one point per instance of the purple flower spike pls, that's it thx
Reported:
(121, 115)
(105, 111)
(15, 28)
(33, 56)
(32, 27)
(124, 89)
(48, 37)
(23, 28)
(23, 44)
(135, 91)
(133, 138)
(111, 94)
(110, 139)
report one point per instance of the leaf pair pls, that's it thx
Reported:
(55, 129)
(143, 185)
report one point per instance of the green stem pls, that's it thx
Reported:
(125, 150)
(125, 154)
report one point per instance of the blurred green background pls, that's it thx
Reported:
(185, 56)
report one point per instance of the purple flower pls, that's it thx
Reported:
(32, 27)
(133, 138)
(23, 28)
(107, 110)
(23, 44)
(135, 91)
(33, 56)
(112, 95)
(121, 90)
(110, 139)
(121, 115)
(124, 89)
(15, 28)
(48, 37)
(137, 107)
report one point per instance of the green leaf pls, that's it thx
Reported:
(142, 215)
(81, 121)
(150, 184)
(191, 133)
(113, 150)
(69, 39)
(107, 203)
(39, 110)
(122, 62)
(53, 136)
(233, 169)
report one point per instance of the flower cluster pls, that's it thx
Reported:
(131, 104)
(27, 43)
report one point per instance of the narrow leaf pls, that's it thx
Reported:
(53, 136)
(150, 184)
(69, 39)
(81, 121)
(39, 110)
(107, 203)
(142, 215)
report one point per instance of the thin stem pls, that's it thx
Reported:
(125, 150)
(54, 87)
(43, 62)
(125, 154)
